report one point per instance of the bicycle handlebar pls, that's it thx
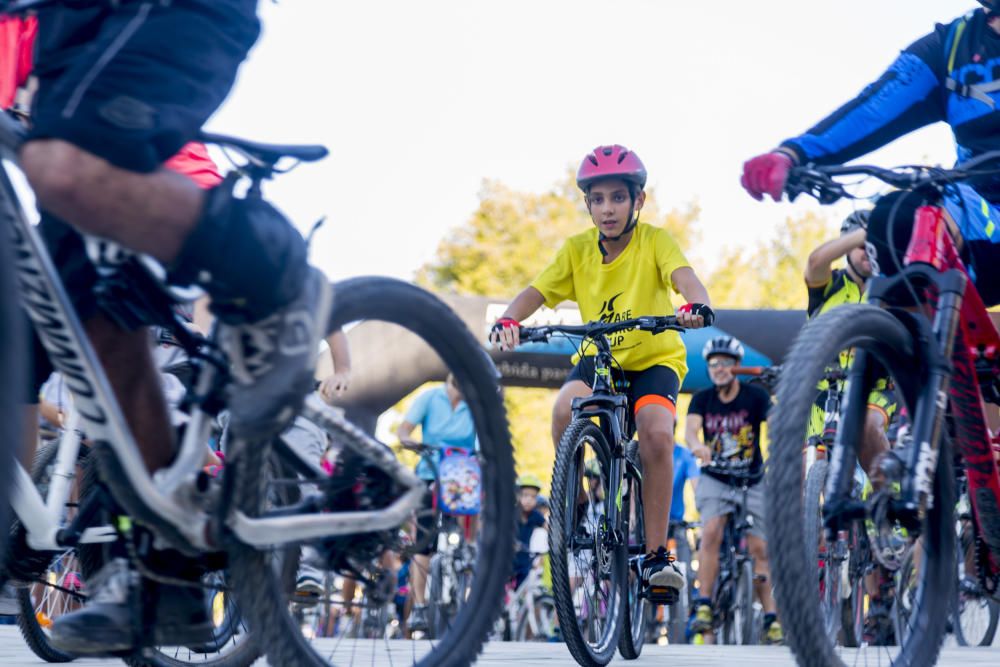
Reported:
(734, 468)
(655, 324)
(819, 181)
(765, 372)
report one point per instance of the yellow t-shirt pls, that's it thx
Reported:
(636, 283)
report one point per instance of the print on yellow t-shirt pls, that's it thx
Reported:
(636, 283)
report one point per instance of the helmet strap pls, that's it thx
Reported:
(853, 269)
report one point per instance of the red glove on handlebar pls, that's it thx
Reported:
(766, 175)
(504, 323)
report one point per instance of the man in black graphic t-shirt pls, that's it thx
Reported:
(728, 418)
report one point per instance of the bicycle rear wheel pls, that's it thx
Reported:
(59, 590)
(406, 312)
(824, 556)
(853, 600)
(589, 568)
(232, 644)
(537, 624)
(820, 343)
(976, 614)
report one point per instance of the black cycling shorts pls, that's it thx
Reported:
(134, 84)
(657, 385)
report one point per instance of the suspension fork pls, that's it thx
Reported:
(840, 508)
(615, 490)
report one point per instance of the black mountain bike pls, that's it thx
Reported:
(735, 620)
(596, 532)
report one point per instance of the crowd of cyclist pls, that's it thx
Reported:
(618, 269)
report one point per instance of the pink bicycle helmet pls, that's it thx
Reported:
(611, 162)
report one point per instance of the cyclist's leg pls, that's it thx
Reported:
(124, 355)
(882, 407)
(420, 564)
(111, 107)
(712, 499)
(757, 544)
(654, 399)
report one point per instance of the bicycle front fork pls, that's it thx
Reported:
(913, 461)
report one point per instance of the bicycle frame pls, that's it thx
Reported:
(169, 493)
(960, 334)
(43, 519)
(611, 410)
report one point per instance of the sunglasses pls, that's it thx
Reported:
(722, 363)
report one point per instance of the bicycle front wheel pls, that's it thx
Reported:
(392, 313)
(743, 616)
(849, 330)
(589, 564)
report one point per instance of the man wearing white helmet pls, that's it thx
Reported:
(723, 425)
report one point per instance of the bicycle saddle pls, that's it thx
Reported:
(266, 153)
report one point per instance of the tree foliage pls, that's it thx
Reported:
(512, 235)
(769, 275)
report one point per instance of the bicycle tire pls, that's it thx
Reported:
(821, 339)
(437, 614)
(94, 556)
(567, 470)
(992, 608)
(28, 622)
(852, 607)
(636, 615)
(725, 603)
(812, 519)
(744, 621)
(993, 611)
(397, 302)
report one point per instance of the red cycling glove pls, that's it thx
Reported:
(766, 175)
(706, 312)
(504, 323)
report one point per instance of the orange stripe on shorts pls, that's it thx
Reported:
(655, 399)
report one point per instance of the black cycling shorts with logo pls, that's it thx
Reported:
(135, 83)
(657, 385)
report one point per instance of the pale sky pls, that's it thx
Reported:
(420, 101)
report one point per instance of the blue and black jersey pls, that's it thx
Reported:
(914, 92)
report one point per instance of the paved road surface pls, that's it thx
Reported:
(13, 653)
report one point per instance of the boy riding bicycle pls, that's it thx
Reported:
(620, 269)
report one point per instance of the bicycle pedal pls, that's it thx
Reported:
(662, 595)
